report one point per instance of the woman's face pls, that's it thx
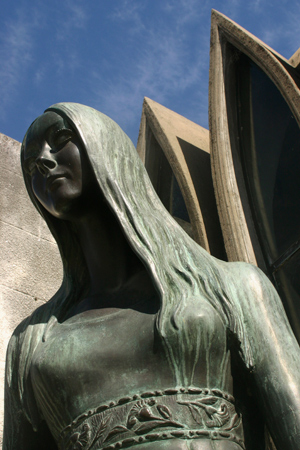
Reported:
(59, 170)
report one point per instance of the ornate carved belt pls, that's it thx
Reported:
(183, 413)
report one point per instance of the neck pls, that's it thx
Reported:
(110, 260)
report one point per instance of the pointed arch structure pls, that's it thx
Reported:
(254, 117)
(176, 154)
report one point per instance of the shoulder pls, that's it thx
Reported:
(25, 337)
(253, 291)
(39, 316)
(257, 300)
(246, 279)
(22, 345)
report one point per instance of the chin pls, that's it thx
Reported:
(67, 208)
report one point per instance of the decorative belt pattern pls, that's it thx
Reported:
(183, 413)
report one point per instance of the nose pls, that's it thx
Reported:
(45, 164)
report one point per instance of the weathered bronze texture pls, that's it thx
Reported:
(149, 338)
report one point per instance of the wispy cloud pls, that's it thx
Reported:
(15, 55)
(39, 75)
(186, 10)
(165, 65)
(130, 11)
(281, 29)
(71, 25)
(291, 29)
(38, 49)
(73, 18)
(111, 54)
(255, 5)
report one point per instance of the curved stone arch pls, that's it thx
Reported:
(239, 234)
(164, 132)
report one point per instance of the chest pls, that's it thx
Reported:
(88, 354)
(92, 359)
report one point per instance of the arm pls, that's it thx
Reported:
(276, 356)
(18, 431)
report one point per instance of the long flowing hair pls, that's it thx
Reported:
(181, 270)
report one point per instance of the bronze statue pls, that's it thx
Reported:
(136, 347)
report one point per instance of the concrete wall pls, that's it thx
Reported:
(30, 266)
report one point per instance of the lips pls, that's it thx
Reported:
(52, 179)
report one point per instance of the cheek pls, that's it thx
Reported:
(38, 187)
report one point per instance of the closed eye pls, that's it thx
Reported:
(59, 139)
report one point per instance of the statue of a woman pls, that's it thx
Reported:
(135, 348)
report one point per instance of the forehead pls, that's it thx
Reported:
(40, 130)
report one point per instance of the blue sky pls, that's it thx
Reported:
(110, 54)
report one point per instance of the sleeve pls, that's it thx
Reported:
(19, 433)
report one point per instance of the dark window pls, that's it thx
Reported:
(164, 180)
(178, 207)
(270, 154)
